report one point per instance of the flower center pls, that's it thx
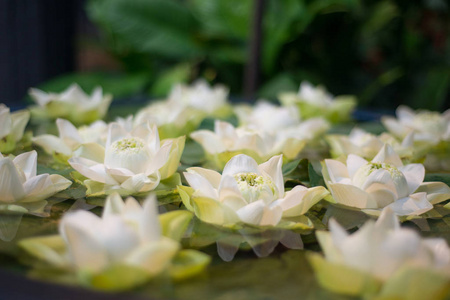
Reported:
(128, 153)
(254, 187)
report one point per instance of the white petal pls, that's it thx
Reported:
(201, 185)
(212, 176)
(141, 183)
(10, 184)
(68, 133)
(258, 213)
(19, 121)
(27, 162)
(436, 191)
(150, 226)
(350, 195)
(273, 168)
(415, 204)
(113, 205)
(91, 170)
(115, 133)
(241, 163)
(388, 155)
(337, 171)
(354, 162)
(414, 174)
(160, 158)
(5, 122)
(209, 141)
(387, 221)
(51, 143)
(299, 200)
(43, 186)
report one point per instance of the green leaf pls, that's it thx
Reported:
(315, 179)
(290, 167)
(159, 27)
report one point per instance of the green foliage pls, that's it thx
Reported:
(385, 52)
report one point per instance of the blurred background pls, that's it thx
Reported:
(386, 53)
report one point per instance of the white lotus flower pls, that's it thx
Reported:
(382, 182)
(267, 117)
(200, 96)
(173, 119)
(367, 145)
(72, 104)
(21, 189)
(315, 101)
(226, 141)
(431, 134)
(247, 192)
(428, 126)
(71, 138)
(12, 126)
(130, 162)
(126, 234)
(382, 258)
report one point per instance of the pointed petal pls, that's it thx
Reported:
(273, 168)
(150, 226)
(354, 162)
(212, 176)
(414, 174)
(91, 170)
(27, 162)
(241, 163)
(68, 133)
(337, 171)
(141, 183)
(387, 221)
(299, 200)
(5, 121)
(415, 204)
(10, 184)
(388, 155)
(209, 141)
(350, 195)
(258, 213)
(43, 186)
(201, 185)
(19, 121)
(160, 159)
(436, 191)
(113, 205)
(51, 144)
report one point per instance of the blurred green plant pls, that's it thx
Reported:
(386, 52)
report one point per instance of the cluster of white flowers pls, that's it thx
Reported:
(371, 175)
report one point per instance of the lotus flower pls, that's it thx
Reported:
(267, 117)
(227, 141)
(21, 189)
(200, 96)
(72, 104)
(130, 162)
(315, 101)
(382, 182)
(126, 244)
(431, 134)
(70, 138)
(173, 119)
(12, 126)
(246, 192)
(382, 259)
(367, 145)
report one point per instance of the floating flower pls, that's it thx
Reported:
(226, 141)
(367, 145)
(12, 126)
(431, 134)
(211, 100)
(267, 117)
(131, 161)
(72, 104)
(382, 259)
(128, 245)
(71, 138)
(247, 192)
(173, 119)
(315, 102)
(22, 191)
(382, 182)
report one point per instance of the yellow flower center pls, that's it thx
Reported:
(363, 173)
(254, 187)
